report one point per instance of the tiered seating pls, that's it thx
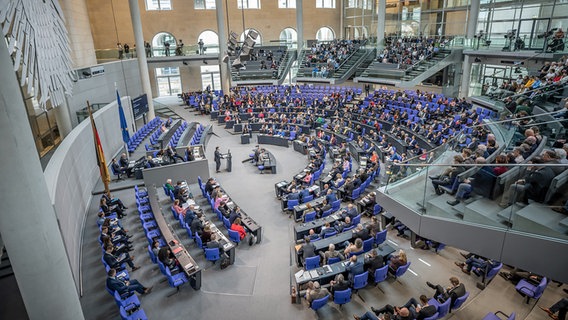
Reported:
(142, 133)
(179, 132)
(152, 232)
(196, 139)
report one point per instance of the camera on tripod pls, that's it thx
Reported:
(547, 33)
(479, 35)
(510, 34)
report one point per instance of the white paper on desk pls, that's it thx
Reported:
(185, 205)
(314, 273)
(188, 266)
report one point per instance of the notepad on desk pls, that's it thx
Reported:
(314, 273)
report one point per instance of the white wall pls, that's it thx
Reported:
(100, 89)
(72, 174)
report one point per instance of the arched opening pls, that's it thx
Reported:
(258, 41)
(325, 34)
(210, 41)
(159, 47)
(288, 35)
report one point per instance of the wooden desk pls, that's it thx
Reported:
(188, 264)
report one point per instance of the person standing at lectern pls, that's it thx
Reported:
(217, 159)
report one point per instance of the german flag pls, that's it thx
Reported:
(101, 162)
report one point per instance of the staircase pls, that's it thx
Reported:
(427, 68)
(286, 65)
(354, 63)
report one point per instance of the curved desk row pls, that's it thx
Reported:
(273, 140)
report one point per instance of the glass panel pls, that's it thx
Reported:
(175, 85)
(163, 87)
(199, 4)
(325, 34)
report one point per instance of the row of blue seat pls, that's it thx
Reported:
(196, 139)
(142, 133)
(153, 233)
(175, 139)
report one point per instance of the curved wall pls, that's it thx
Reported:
(72, 174)
(538, 254)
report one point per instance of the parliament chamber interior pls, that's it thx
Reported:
(323, 159)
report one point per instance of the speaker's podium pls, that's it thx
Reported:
(229, 159)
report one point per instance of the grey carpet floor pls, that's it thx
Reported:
(258, 285)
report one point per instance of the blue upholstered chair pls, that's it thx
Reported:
(310, 216)
(333, 260)
(318, 303)
(381, 275)
(212, 254)
(360, 281)
(495, 316)
(234, 236)
(459, 302)
(381, 237)
(400, 271)
(529, 290)
(312, 262)
(342, 297)
(137, 315)
(368, 244)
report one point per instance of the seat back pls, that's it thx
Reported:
(312, 262)
(327, 213)
(360, 281)
(212, 254)
(377, 209)
(318, 303)
(292, 203)
(198, 241)
(444, 308)
(356, 220)
(512, 316)
(234, 236)
(342, 297)
(381, 237)
(381, 274)
(335, 205)
(152, 255)
(459, 301)
(226, 223)
(310, 216)
(540, 288)
(368, 244)
(494, 271)
(333, 260)
(402, 269)
(433, 317)
(308, 198)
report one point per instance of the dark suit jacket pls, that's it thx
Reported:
(111, 261)
(426, 312)
(456, 292)
(363, 234)
(373, 264)
(307, 250)
(340, 286)
(116, 285)
(293, 196)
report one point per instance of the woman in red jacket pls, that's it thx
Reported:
(236, 226)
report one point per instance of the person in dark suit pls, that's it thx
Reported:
(534, 185)
(196, 224)
(362, 233)
(123, 162)
(113, 201)
(116, 262)
(151, 163)
(350, 211)
(173, 155)
(338, 284)
(217, 158)
(108, 210)
(304, 193)
(373, 261)
(454, 291)
(422, 310)
(354, 267)
(234, 215)
(307, 250)
(124, 287)
(330, 196)
(294, 195)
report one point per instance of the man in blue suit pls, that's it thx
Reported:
(330, 196)
(355, 267)
(294, 195)
(124, 287)
(304, 193)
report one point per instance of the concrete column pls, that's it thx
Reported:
(224, 68)
(466, 75)
(63, 119)
(300, 24)
(381, 14)
(29, 228)
(472, 18)
(142, 63)
(79, 31)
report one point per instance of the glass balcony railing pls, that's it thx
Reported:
(498, 201)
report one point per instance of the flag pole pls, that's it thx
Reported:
(101, 161)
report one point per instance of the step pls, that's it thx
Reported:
(506, 214)
(540, 219)
(438, 206)
(484, 211)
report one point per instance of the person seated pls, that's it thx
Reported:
(294, 195)
(339, 226)
(178, 209)
(206, 234)
(464, 189)
(330, 253)
(533, 186)
(237, 226)
(210, 185)
(124, 288)
(330, 196)
(234, 215)
(516, 275)
(123, 163)
(374, 226)
(447, 177)
(560, 307)
(116, 261)
(108, 210)
(172, 154)
(169, 185)
(113, 201)
(196, 226)
(361, 233)
(326, 229)
(117, 249)
(116, 167)
(116, 238)
(315, 292)
(349, 212)
(189, 154)
(155, 247)
(373, 261)
(307, 178)
(477, 263)
(453, 291)
(181, 193)
(325, 206)
(166, 256)
(338, 284)
(369, 203)
(397, 260)
(189, 215)
(307, 250)
(354, 267)
(313, 235)
(150, 163)
(304, 193)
